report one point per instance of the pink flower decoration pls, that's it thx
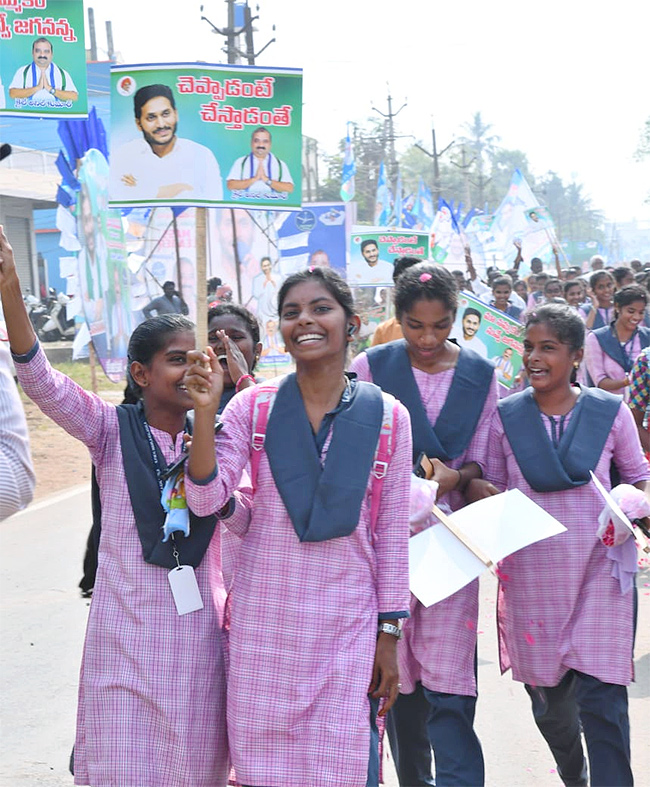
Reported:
(425, 277)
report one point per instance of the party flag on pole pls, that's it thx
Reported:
(383, 201)
(423, 207)
(398, 202)
(349, 170)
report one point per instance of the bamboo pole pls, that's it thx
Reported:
(201, 279)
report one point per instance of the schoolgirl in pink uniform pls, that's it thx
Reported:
(152, 698)
(566, 624)
(451, 395)
(319, 584)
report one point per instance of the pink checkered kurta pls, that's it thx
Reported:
(440, 641)
(152, 692)
(304, 621)
(600, 365)
(559, 606)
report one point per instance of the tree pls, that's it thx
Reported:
(643, 151)
(481, 144)
(574, 216)
(369, 150)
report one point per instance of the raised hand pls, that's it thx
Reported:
(204, 380)
(237, 366)
(7, 261)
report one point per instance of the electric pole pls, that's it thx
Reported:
(240, 20)
(464, 168)
(393, 168)
(435, 158)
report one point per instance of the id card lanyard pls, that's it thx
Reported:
(182, 579)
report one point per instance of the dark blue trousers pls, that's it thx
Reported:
(428, 720)
(601, 710)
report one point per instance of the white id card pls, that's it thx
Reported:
(185, 589)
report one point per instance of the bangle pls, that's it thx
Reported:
(241, 379)
(460, 480)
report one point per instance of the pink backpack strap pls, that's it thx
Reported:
(261, 405)
(383, 454)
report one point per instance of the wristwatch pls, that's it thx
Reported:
(53, 91)
(388, 628)
(268, 182)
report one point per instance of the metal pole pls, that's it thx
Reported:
(235, 248)
(93, 37)
(109, 40)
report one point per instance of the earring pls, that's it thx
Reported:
(576, 365)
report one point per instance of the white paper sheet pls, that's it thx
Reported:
(67, 267)
(616, 510)
(73, 306)
(80, 343)
(439, 565)
(67, 225)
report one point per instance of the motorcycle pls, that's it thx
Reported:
(36, 309)
(58, 326)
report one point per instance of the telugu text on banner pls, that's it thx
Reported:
(43, 64)
(201, 135)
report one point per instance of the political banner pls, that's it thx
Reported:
(316, 235)
(373, 307)
(447, 246)
(104, 278)
(512, 223)
(492, 334)
(162, 248)
(373, 251)
(201, 135)
(478, 233)
(43, 64)
(539, 218)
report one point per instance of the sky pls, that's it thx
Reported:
(565, 81)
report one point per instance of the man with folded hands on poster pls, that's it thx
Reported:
(259, 173)
(41, 81)
(162, 165)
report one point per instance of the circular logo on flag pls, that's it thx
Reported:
(126, 86)
(357, 239)
(305, 220)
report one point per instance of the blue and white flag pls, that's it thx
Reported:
(398, 219)
(423, 207)
(349, 170)
(383, 202)
(513, 222)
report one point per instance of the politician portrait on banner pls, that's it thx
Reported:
(198, 134)
(492, 334)
(43, 63)
(373, 251)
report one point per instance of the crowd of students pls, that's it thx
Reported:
(295, 543)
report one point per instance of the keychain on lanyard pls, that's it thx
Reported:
(182, 579)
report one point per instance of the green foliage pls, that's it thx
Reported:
(369, 144)
(643, 151)
(476, 171)
(575, 218)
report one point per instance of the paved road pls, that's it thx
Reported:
(42, 627)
